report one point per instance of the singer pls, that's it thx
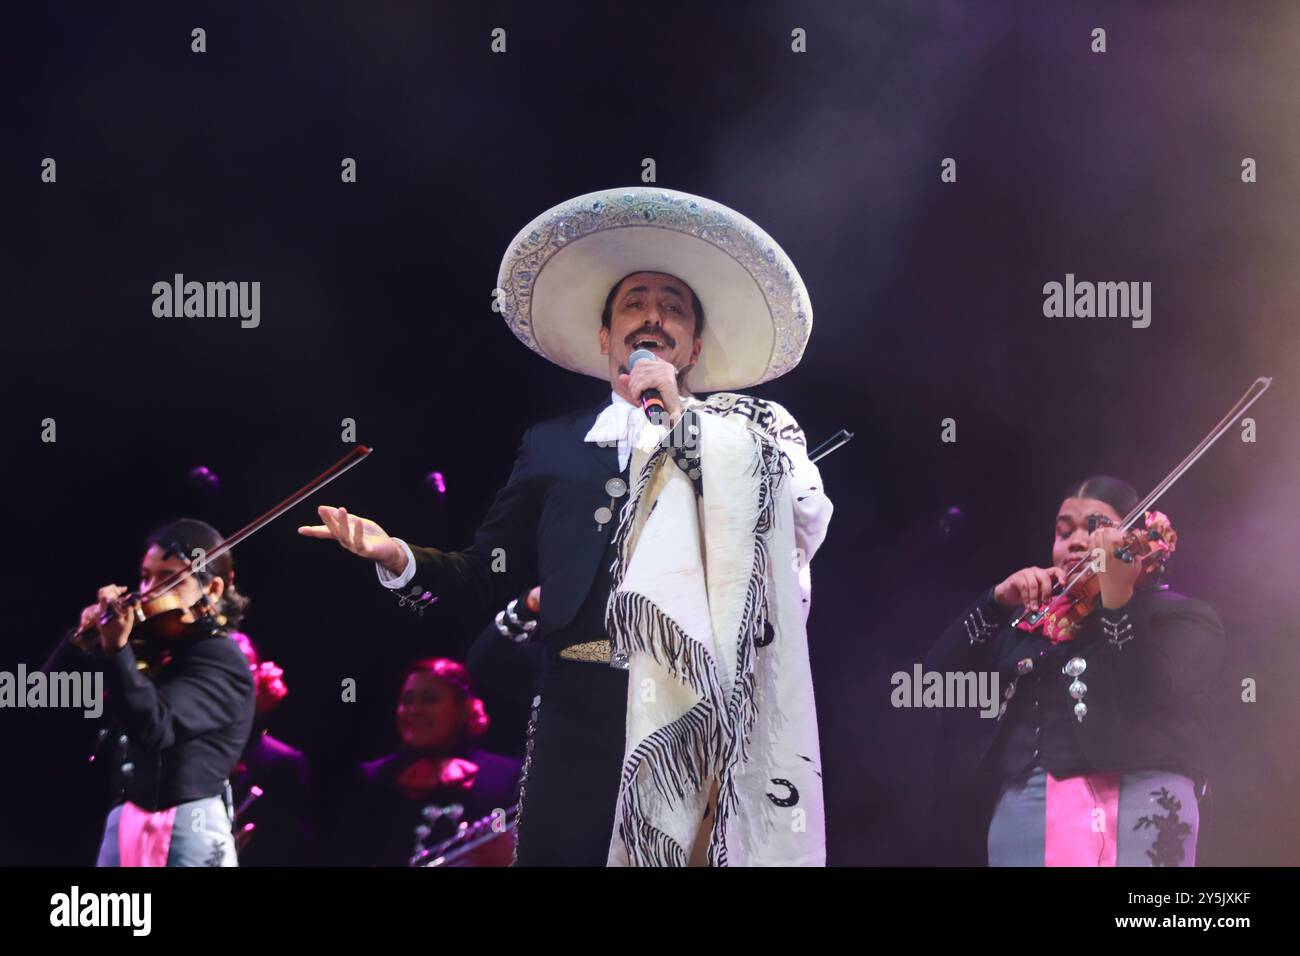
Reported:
(675, 723)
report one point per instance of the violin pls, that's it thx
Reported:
(166, 616)
(1152, 544)
(161, 620)
(1080, 595)
(162, 617)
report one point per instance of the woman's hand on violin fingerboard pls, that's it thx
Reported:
(359, 535)
(113, 635)
(1029, 586)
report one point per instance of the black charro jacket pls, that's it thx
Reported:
(1149, 671)
(541, 529)
(182, 731)
(174, 736)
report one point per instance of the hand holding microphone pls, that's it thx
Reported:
(654, 383)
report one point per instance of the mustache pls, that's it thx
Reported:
(652, 331)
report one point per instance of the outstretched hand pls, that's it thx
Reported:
(359, 535)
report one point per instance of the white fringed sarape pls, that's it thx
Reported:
(719, 690)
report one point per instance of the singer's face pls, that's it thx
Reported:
(652, 311)
(1070, 543)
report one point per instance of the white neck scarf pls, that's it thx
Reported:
(621, 423)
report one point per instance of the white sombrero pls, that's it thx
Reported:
(558, 271)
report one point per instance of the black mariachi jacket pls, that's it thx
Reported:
(541, 528)
(181, 733)
(1147, 670)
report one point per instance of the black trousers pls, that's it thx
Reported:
(575, 757)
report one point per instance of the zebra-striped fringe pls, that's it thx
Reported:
(646, 845)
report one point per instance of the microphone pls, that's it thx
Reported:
(650, 398)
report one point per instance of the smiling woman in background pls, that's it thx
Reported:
(413, 799)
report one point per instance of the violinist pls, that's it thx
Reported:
(1097, 745)
(181, 695)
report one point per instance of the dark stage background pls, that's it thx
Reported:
(927, 299)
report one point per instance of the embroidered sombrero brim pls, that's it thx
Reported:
(559, 269)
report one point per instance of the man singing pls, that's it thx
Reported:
(675, 723)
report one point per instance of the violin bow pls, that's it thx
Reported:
(336, 470)
(838, 440)
(1257, 388)
(347, 462)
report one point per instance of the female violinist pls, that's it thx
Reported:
(1097, 745)
(181, 695)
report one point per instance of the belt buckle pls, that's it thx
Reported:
(592, 652)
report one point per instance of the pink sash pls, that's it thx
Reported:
(143, 837)
(1082, 820)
